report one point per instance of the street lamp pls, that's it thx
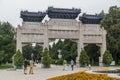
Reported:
(59, 54)
(33, 45)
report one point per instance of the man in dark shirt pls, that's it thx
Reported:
(25, 66)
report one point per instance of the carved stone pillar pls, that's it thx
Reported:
(46, 41)
(102, 50)
(80, 45)
(101, 55)
(19, 43)
(19, 46)
(103, 47)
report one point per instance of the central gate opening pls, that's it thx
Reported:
(31, 51)
(93, 52)
(63, 49)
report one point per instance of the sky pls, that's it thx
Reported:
(10, 9)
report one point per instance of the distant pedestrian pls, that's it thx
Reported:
(37, 61)
(72, 64)
(31, 67)
(25, 63)
(89, 66)
(64, 65)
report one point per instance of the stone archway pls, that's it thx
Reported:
(62, 24)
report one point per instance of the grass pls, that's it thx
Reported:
(5, 66)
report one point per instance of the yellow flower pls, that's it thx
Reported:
(83, 76)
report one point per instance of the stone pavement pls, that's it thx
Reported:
(39, 73)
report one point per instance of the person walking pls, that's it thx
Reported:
(72, 64)
(31, 67)
(25, 63)
(64, 65)
(89, 66)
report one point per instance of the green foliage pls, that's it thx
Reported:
(18, 59)
(84, 59)
(60, 62)
(54, 49)
(107, 57)
(53, 61)
(93, 52)
(28, 50)
(68, 50)
(57, 62)
(7, 41)
(119, 62)
(46, 60)
(1, 57)
(5, 66)
(111, 23)
(37, 52)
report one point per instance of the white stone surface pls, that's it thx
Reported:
(42, 33)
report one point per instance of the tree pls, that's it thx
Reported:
(1, 57)
(53, 51)
(68, 50)
(84, 59)
(7, 41)
(28, 50)
(46, 58)
(73, 51)
(111, 22)
(37, 50)
(18, 59)
(107, 57)
(93, 52)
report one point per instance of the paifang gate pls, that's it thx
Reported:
(61, 25)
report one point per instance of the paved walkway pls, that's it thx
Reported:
(39, 73)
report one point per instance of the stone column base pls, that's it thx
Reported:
(77, 62)
(100, 62)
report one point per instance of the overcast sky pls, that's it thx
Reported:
(10, 9)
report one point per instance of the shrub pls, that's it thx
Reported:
(46, 60)
(118, 62)
(2, 56)
(60, 61)
(18, 59)
(107, 58)
(5, 66)
(52, 61)
(84, 59)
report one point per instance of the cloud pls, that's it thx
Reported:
(11, 11)
(0, 1)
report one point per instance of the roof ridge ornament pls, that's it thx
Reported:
(91, 18)
(63, 13)
(32, 16)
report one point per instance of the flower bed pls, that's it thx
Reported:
(83, 76)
